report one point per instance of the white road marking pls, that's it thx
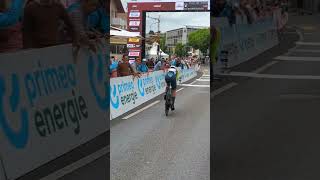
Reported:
(222, 89)
(290, 51)
(299, 96)
(264, 67)
(194, 85)
(296, 58)
(308, 43)
(203, 80)
(180, 89)
(206, 75)
(289, 32)
(76, 165)
(272, 76)
(305, 50)
(142, 109)
(193, 82)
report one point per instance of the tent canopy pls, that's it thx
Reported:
(123, 33)
(153, 51)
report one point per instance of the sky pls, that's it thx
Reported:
(170, 20)
(174, 20)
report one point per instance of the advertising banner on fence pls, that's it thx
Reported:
(244, 41)
(128, 93)
(49, 105)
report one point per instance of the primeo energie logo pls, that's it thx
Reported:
(39, 87)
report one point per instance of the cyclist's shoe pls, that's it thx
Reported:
(172, 107)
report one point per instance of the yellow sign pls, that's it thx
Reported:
(118, 40)
(134, 40)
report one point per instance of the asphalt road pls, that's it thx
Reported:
(266, 128)
(151, 146)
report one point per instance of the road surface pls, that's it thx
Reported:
(265, 124)
(151, 146)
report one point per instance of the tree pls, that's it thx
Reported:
(163, 46)
(200, 39)
(180, 50)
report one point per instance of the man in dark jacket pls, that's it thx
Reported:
(41, 24)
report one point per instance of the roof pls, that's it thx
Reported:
(122, 33)
(119, 6)
(189, 27)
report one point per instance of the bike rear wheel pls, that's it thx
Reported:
(168, 102)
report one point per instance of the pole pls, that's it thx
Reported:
(159, 24)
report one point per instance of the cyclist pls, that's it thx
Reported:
(171, 80)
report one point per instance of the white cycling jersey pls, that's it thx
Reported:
(172, 70)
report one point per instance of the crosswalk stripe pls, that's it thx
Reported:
(305, 50)
(297, 58)
(308, 43)
(272, 76)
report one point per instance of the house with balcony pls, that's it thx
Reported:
(118, 19)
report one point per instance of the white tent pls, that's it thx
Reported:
(153, 52)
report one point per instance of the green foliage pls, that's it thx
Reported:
(200, 39)
(180, 50)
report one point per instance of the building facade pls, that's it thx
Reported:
(118, 19)
(118, 16)
(180, 35)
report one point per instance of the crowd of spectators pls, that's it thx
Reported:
(26, 24)
(126, 67)
(248, 11)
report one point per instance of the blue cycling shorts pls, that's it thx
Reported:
(171, 80)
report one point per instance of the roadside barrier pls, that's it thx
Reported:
(241, 42)
(49, 105)
(128, 93)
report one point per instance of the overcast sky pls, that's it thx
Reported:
(170, 20)
(174, 20)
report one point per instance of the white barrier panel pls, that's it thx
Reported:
(128, 93)
(245, 41)
(49, 105)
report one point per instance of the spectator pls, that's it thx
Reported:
(173, 62)
(167, 64)
(178, 62)
(133, 64)
(223, 9)
(11, 30)
(99, 20)
(113, 67)
(150, 63)
(78, 11)
(124, 68)
(183, 64)
(11, 16)
(158, 66)
(244, 6)
(42, 31)
(142, 66)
